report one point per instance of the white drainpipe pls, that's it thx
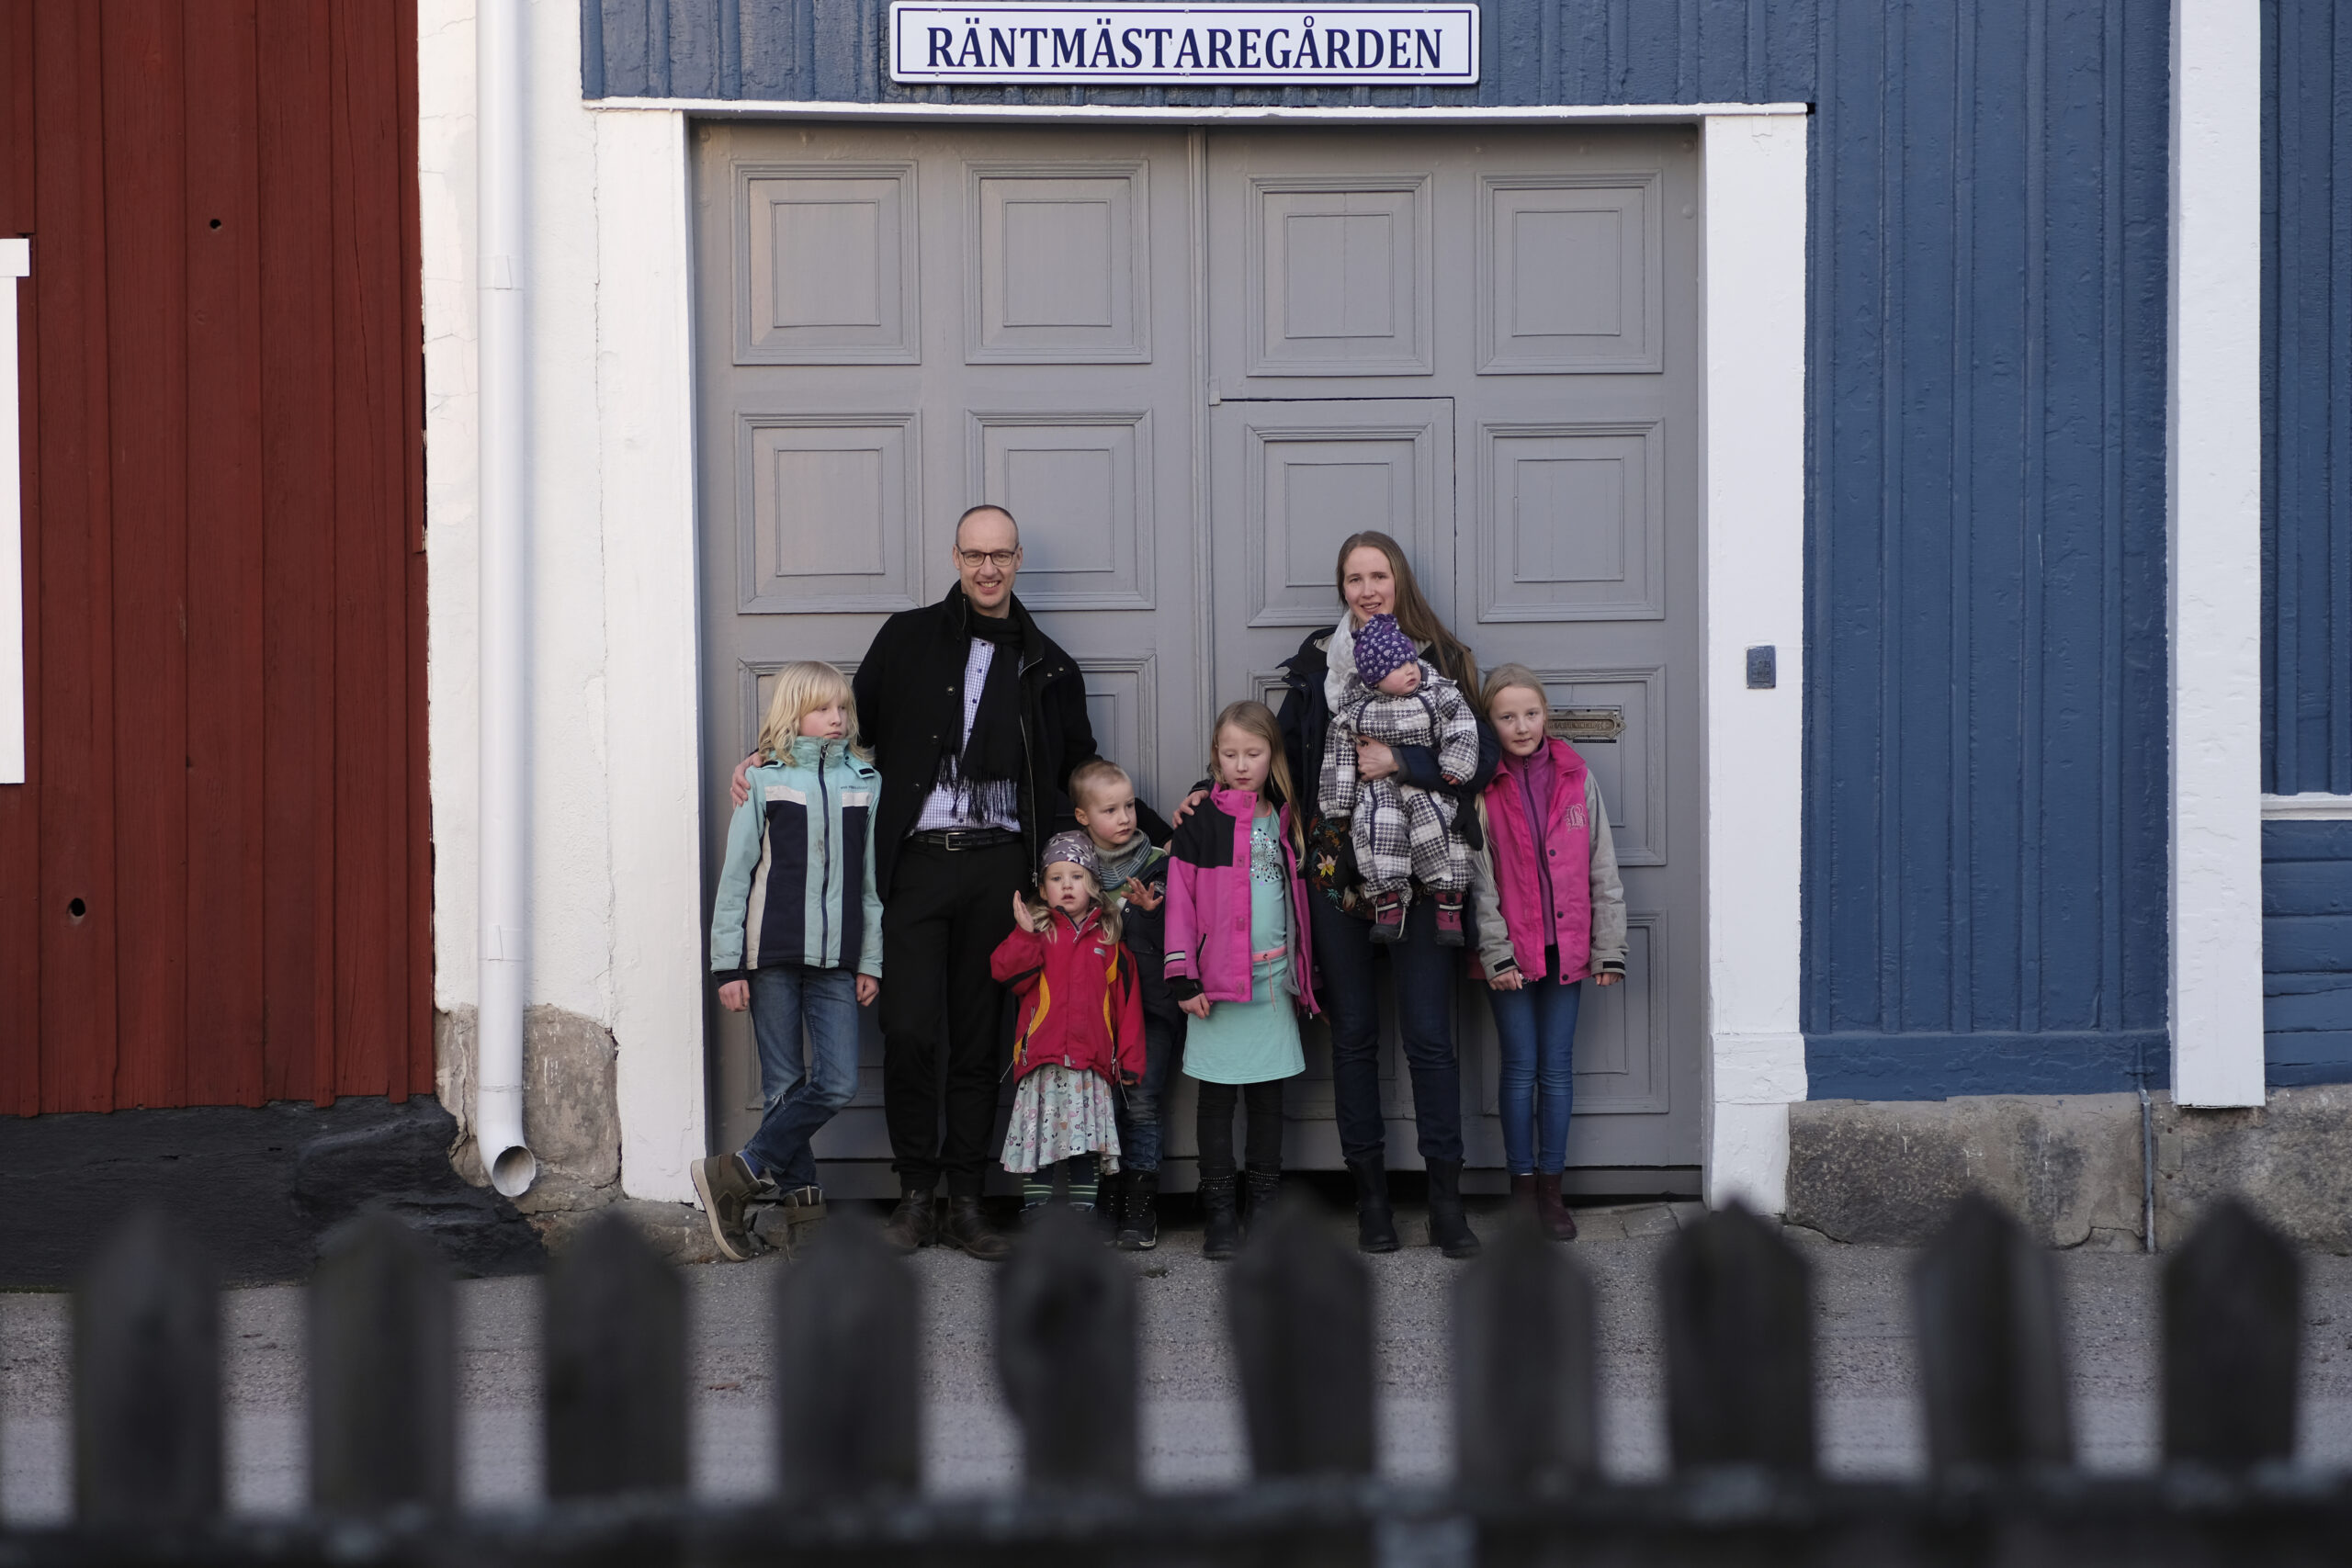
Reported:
(505, 599)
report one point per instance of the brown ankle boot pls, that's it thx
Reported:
(1522, 1194)
(1558, 1224)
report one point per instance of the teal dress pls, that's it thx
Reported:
(1255, 1041)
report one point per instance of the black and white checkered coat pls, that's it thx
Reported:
(1398, 831)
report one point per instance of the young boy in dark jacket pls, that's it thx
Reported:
(1134, 871)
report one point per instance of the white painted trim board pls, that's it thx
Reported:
(15, 261)
(2309, 807)
(1755, 305)
(2214, 553)
(1203, 114)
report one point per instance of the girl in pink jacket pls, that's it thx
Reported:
(1551, 914)
(1237, 960)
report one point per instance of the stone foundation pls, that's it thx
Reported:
(2070, 1167)
(572, 1123)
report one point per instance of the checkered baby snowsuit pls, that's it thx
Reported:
(1400, 831)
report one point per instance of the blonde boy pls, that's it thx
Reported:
(1135, 870)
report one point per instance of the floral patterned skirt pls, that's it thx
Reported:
(1059, 1111)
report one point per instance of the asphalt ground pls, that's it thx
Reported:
(1869, 1416)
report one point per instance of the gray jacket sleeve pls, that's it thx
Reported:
(1608, 892)
(1487, 906)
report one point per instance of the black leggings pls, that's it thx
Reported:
(1264, 1145)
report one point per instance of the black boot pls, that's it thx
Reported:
(1264, 1187)
(1450, 1233)
(1139, 1219)
(1224, 1233)
(914, 1222)
(1375, 1220)
(1110, 1202)
(968, 1228)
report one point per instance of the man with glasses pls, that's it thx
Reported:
(975, 718)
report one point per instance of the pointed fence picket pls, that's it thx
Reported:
(1735, 1300)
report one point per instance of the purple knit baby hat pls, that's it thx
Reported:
(1382, 648)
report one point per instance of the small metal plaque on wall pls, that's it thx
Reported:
(1130, 45)
(1588, 725)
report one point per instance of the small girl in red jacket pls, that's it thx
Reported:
(1081, 1027)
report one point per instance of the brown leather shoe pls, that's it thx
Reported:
(913, 1223)
(1522, 1194)
(1558, 1224)
(968, 1228)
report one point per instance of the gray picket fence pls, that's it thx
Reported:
(1737, 1332)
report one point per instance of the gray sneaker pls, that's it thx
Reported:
(726, 1184)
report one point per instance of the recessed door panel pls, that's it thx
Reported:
(825, 269)
(1338, 275)
(1570, 276)
(1059, 272)
(1298, 478)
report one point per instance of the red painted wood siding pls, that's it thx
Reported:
(223, 478)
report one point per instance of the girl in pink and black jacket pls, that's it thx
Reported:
(1237, 960)
(1551, 914)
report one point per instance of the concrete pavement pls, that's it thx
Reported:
(1192, 1427)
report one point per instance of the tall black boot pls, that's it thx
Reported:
(1139, 1221)
(1375, 1220)
(1111, 1203)
(1264, 1187)
(1450, 1232)
(1224, 1233)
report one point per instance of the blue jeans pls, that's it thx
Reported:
(1536, 1026)
(1137, 1106)
(1423, 974)
(783, 997)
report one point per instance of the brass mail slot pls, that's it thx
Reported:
(1588, 725)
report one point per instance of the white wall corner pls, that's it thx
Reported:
(15, 261)
(1754, 304)
(2214, 552)
(445, 156)
(645, 404)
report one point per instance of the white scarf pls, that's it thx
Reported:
(1339, 659)
(1340, 662)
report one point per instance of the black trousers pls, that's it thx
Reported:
(945, 914)
(1263, 1145)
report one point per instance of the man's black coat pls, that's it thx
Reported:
(919, 652)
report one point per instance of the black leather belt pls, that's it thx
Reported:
(966, 837)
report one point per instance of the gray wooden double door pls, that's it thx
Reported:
(1191, 363)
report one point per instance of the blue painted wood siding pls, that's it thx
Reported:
(2307, 397)
(2307, 533)
(1985, 825)
(1538, 51)
(2307, 950)
(1986, 751)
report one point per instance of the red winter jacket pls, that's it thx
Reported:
(1082, 1005)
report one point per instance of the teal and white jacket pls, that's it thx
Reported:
(797, 886)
